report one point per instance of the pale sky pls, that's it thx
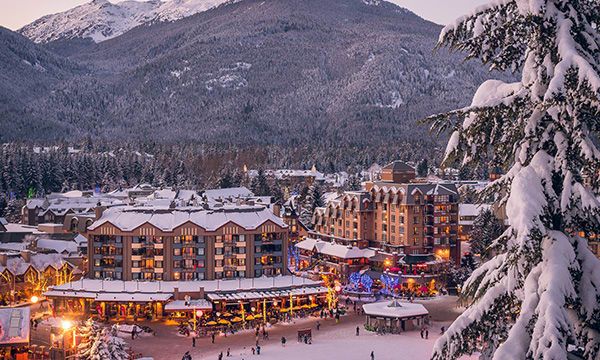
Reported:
(16, 13)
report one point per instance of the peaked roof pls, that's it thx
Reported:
(165, 219)
(398, 166)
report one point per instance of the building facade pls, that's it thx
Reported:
(396, 215)
(187, 243)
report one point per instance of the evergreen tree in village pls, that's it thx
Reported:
(99, 344)
(541, 292)
(486, 229)
(312, 200)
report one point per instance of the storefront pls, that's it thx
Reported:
(203, 303)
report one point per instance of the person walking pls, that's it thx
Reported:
(283, 341)
(212, 337)
(426, 333)
(443, 329)
(257, 349)
(357, 331)
(220, 357)
(372, 355)
(422, 333)
(318, 326)
(228, 352)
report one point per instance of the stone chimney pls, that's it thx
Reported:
(277, 209)
(99, 210)
(26, 255)
(3, 259)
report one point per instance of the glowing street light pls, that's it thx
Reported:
(66, 324)
(34, 299)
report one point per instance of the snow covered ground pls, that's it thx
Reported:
(344, 344)
(332, 342)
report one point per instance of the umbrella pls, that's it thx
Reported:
(224, 322)
(228, 314)
(250, 317)
(236, 319)
(211, 323)
(258, 316)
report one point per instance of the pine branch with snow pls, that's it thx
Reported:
(542, 291)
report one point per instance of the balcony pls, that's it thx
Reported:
(229, 268)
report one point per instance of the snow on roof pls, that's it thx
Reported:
(90, 288)
(130, 218)
(282, 173)
(186, 195)
(13, 246)
(235, 192)
(164, 194)
(334, 249)
(20, 228)
(14, 323)
(80, 240)
(59, 246)
(18, 266)
(395, 309)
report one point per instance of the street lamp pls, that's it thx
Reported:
(34, 299)
(66, 325)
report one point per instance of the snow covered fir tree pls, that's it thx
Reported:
(541, 292)
(99, 344)
(486, 229)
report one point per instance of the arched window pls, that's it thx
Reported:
(74, 224)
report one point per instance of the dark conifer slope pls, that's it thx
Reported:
(291, 73)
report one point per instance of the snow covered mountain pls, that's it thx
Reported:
(101, 20)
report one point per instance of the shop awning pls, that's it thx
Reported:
(127, 297)
(180, 305)
(259, 295)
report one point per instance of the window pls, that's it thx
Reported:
(219, 251)
(176, 276)
(176, 264)
(201, 251)
(176, 252)
(257, 273)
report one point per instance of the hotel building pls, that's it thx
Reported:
(224, 241)
(395, 214)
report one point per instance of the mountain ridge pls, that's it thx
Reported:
(100, 20)
(333, 75)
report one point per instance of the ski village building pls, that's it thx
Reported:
(224, 251)
(396, 215)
